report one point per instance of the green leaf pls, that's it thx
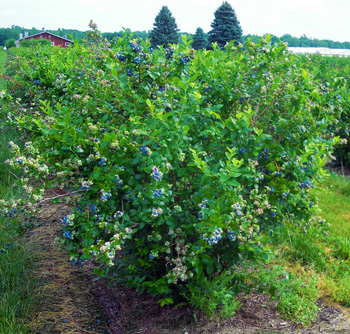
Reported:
(199, 269)
(224, 177)
(209, 269)
(56, 200)
(206, 259)
(239, 115)
(258, 131)
(233, 183)
(104, 144)
(150, 105)
(186, 129)
(165, 301)
(169, 300)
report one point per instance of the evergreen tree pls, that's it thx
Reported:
(225, 26)
(200, 40)
(164, 29)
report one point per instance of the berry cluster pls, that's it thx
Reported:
(156, 174)
(157, 193)
(145, 150)
(156, 212)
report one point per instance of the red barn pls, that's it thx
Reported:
(54, 39)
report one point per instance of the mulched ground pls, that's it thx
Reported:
(71, 302)
(67, 303)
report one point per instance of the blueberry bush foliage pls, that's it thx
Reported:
(178, 163)
(333, 73)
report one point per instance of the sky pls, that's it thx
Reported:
(321, 19)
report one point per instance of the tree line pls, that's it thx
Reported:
(304, 41)
(225, 27)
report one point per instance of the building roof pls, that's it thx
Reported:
(47, 32)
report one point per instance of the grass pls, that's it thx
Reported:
(17, 288)
(17, 254)
(17, 259)
(2, 69)
(323, 257)
(334, 200)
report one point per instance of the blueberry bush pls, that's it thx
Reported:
(333, 75)
(178, 163)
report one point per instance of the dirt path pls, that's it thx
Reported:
(72, 303)
(68, 303)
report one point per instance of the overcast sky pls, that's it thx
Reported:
(321, 19)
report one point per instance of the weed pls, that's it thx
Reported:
(213, 297)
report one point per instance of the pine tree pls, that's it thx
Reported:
(225, 26)
(200, 40)
(164, 29)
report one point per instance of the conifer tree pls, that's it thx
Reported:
(226, 26)
(200, 40)
(164, 29)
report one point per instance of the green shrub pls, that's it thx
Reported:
(179, 160)
(10, 43)
(35, 42)
(333, 75)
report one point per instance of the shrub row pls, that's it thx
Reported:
(178, 162)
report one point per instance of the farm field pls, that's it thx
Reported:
(196, 179)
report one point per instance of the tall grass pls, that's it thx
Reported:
(334, 200)
(325, 255)
(17, 254)
(2, 62)
(17, 288)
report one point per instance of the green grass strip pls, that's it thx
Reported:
(325, 255)
(18, 286)
(2, 68)
(334, 200)
(17, 258)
